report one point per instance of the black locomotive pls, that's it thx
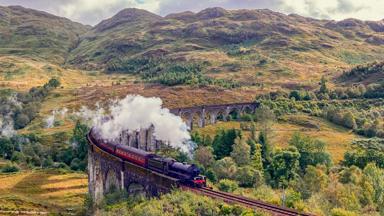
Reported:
(188, 174)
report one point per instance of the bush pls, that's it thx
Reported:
(48, 162)
(248, 177)
(211, 175)
(21, 121)
(225, 168)
(204, 155)
(342, 212)
(10, 168)
(114, 197)
(293, 199)
(18, 157)
(227, 185)
(177, 203)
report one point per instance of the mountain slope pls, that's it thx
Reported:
(247, 45)
(372, 73)
(35, 34)
(252, 47)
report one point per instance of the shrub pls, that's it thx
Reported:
(227, 185)
(248, 177)
(241, 152)
(225, 168)
(342, 212)
(10, 168)
(21, 121)
(114, 196)
(210, 174)
(17, 157)
(204, 156)
(177, 203)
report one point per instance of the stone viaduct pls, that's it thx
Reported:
(107, 172)
(210, 114)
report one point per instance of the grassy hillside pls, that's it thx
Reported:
(37, 34)
(372, 73)
(253, 47)
(42, 191)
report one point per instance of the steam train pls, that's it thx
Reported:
(187, 174)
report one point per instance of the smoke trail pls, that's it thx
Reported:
(6, 127)
(136, 112)
(50, 120)
(6, 120)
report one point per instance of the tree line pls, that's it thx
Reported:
(167, 72)
(303, 170)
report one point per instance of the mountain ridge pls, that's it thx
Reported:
(247, 45)
(37, 34)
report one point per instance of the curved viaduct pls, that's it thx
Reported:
(209, 114)
(106, 171)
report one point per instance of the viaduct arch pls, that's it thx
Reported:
(209, 114)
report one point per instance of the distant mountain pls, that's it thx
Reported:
(250, 46)
(231, 41)
(36, 34)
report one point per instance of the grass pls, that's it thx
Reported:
(43, 191)
(22, 74)
(338, 140)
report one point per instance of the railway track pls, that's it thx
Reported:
(255, 204)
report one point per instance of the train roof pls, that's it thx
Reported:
(134, 150)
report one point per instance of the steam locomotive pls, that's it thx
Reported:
(187, 174)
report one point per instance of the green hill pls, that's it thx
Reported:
(250, 46)
(36, 34)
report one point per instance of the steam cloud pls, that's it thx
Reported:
(50, 120)
(6, 127)
(136, 112)
(6, 121)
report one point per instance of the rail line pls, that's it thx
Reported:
(255, 204)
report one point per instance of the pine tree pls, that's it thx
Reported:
(257, 159)
(241, 152)
(252, 141)
(81, 143)
(265, 148)
(223, 142)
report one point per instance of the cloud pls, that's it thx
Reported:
(335, 9)
(93, 11)
(172, 6)
(85, 11)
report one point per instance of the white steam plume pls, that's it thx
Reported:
(6, 127)
(50, 120)
(6, 121)
(136, 112)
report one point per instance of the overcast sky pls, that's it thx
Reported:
(93, 11)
